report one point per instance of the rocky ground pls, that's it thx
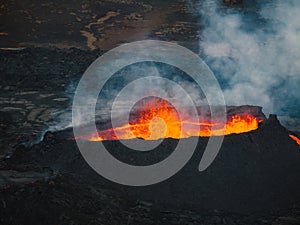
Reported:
(249, 183)
(56, 37)
(45, 48)
(94, 24)
(35, 86)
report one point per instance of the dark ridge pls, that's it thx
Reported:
(254, 172)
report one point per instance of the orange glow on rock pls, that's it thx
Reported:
(156, 119)
(295, 138)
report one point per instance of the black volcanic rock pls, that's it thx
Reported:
(255, 111)
(254, 172)
(273, 120)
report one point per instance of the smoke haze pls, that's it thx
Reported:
(252, 48)
(254, 52)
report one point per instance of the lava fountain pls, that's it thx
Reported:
(155, 118)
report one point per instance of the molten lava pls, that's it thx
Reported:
(157, 118)
(295, 138)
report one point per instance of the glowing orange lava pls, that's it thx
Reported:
(157, 119)
(295, 138)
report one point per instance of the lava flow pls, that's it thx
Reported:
(156, 118)
(295, 138)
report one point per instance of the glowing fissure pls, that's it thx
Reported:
(295, 138)
(158, 119)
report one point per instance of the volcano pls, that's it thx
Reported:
(154, 118)
(255, 173)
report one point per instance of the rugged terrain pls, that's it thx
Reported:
(254, 180)
(45, 49)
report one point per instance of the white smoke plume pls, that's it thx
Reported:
(255, 54)
(254, 51)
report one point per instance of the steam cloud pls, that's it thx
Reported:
(254, 52)
(118, 81)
